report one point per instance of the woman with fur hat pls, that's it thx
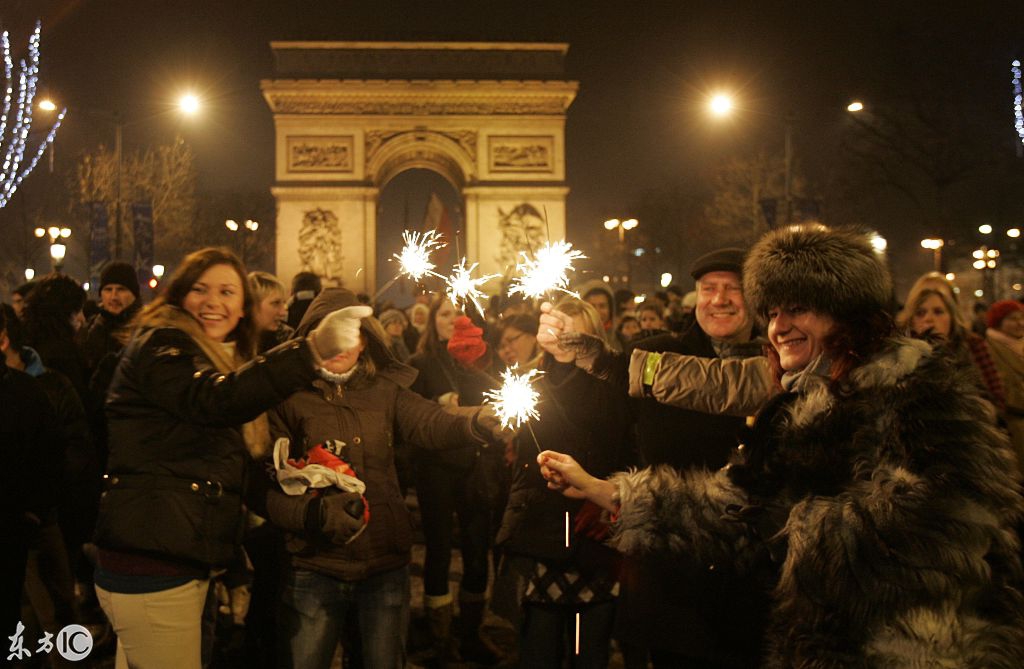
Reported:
(874, 494)
(185, 412)
(356, 409)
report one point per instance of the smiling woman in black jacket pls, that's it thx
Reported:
(185, 405)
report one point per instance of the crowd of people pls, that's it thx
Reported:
(785, 467)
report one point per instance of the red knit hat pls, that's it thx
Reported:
(1000, 310)
(467, 343)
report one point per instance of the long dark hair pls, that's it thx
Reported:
(188, 272)
(429, 341)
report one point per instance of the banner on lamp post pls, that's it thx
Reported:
(99, 238)
(142, 229)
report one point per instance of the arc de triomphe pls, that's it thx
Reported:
(350, 116)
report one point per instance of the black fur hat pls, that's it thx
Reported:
(834, 271)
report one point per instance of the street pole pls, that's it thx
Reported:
(789, 170)
(117, 202)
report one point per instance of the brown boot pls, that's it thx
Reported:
(473, 646)
(439, 622)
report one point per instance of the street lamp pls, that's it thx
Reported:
(935, 245)
(249, 224)
(58, 250)
(622, 226)
(721, 105)
(189, 104)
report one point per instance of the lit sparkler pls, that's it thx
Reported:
(516, 401)
(547, 272)
(414, 260)
(462, 287)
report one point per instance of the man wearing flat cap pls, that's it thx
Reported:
(684, 615)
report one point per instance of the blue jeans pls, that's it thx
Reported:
(313, 611)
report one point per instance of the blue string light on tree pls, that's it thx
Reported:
(1018, 102)
(14, 140)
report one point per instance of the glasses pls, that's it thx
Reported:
(506, 344)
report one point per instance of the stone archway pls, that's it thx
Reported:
(488, 117)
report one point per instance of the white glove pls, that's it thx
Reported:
(338, 331)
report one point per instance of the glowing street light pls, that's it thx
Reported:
(1013, 232)
(935, 245)
(234, 226)
(720, 105)
(985, 229)
(189, 104)
(58, 250)
(29, 274)
(158, 271)
(622, 226)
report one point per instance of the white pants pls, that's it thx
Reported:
(157, 629)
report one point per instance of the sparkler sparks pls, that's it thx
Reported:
(547, 271)
(414, 260)
(462, 287)
(516, 401)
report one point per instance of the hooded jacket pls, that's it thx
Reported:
(369, 413)
(884, 515)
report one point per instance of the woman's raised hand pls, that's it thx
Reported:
(554, 323)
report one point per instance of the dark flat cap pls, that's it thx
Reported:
(722, 260)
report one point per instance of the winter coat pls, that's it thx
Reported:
(29, 444)
(177, 453)
(438, 374)
(584, 417)
(369, 414)
(729, 386)
(678, 605)
(883, 512)
(79, 482)
(100, 336)
(269, 339)
(669, 435)
(1010, 365)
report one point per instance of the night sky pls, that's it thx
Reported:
(644, 69)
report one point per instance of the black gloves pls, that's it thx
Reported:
(342, 516)
(589, 350)
(338, 517)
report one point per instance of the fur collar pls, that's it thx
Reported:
(886, 369)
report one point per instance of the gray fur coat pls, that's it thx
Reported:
(886, 510)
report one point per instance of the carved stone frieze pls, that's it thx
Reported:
(522, 231)
(320, 248)
(466, 139)
(405, 106)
